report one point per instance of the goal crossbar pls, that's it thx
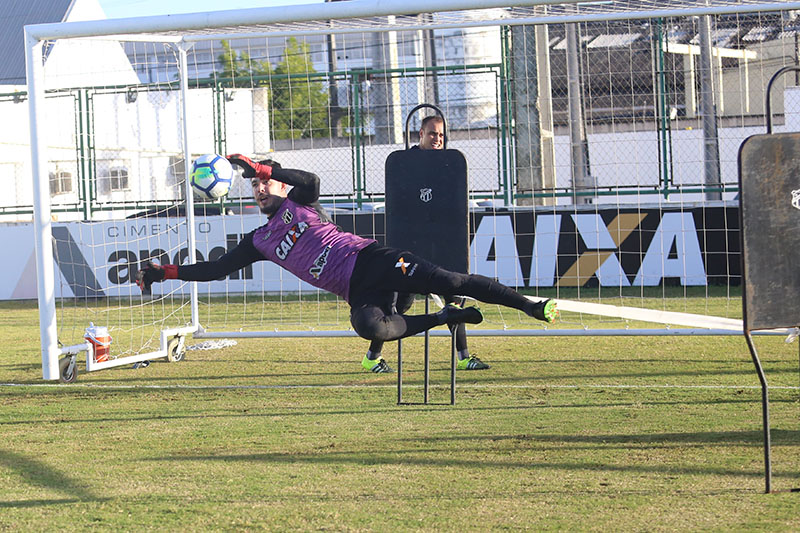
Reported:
(367, 16)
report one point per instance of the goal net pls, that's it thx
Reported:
(600, 138)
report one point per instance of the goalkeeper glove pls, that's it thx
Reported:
(152, 272)
(261, 170)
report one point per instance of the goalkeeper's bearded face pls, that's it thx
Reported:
(268, 194)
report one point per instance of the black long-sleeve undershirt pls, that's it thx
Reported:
(305, 185)
(242, 255)
(305, 188)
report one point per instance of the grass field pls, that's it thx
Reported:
(622, 434)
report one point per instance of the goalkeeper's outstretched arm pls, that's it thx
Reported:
(305, 185)
(244, 254)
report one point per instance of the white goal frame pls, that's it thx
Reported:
(349, 17)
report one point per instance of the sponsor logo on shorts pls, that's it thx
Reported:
(287, 243)
(796, 198)
(267, 234)
(287, 217)
(404, 267)
(320, 262)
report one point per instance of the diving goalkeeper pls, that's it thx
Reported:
(301, 238)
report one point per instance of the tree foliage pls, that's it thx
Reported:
(236, 66)
(298, 98)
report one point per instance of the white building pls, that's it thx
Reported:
(69, 64)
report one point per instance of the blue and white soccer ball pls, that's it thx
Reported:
(212, 176)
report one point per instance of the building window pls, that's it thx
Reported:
(318, 53)
(117, 179)
(60, 182)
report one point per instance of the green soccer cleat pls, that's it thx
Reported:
(377, 366)
(546, 311)
(471, 363)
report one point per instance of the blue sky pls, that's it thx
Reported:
(144, 8)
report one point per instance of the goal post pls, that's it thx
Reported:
(152, 345)
(45, 278)
(623, 240)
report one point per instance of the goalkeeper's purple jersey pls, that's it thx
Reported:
(315, 251)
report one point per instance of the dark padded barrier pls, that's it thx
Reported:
(769, 173)
(427, 206)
